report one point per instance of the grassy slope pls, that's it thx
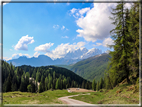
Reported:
(47, 97)
(111, 97)
(92, 67)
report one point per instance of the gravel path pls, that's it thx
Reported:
(69, 101)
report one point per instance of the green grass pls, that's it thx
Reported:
(47, 97)
(126, 96)
(111, 97)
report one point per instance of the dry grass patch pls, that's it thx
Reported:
(80, 90)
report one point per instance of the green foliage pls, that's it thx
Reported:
(46, 78)
(29, 87)
(94, 85)
(98, 86)
(57, 84)
(124, 63)
(92, 67)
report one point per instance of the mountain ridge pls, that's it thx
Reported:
(43, 60)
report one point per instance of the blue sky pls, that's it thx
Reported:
(54, 29)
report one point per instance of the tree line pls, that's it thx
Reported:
(32, 79)
(124, 61)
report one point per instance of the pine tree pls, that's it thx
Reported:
(54, 75)
(38, 76)
(42, 83)
(94, 85)
(57, 84)
(13, 87)
(7, 84)
(83, 84)
(23, 87)
(119, 69)
(97, 87)
(29, 87)
(134, 42)
(101, 83)
(40, 88)
(36, 86)
(46, 83)
(49, 83)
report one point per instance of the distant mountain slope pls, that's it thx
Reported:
(42, 60)
(92, 67)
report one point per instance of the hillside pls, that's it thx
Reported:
(92, 67)
(58, 70)
(49, 77)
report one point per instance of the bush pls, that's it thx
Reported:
(29, 87)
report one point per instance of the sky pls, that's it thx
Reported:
(54, 29)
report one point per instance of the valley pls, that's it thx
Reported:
(65, 84)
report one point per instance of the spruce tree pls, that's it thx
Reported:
(83, 84)
(57, 84)
(46, 83)
(134, 42)
(97, 87)
(119, 68)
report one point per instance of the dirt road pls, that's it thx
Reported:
(70, 101)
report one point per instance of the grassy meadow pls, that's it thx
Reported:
(47, 97)
(123, 94)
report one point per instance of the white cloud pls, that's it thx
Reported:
(98, 44)
(107, 51)
(96, 23)
(128, 5)
(65, 37)
(10, 49)
(73, 10)
(36, 54)
(108, 41)
(84, 10)
(14, 56)
(6, 58)
(63, 27)
(56, 26)
(44, 47)
(62, 49)
(23, 42)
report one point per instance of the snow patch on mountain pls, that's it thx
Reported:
(82, 53)
(91, 52)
